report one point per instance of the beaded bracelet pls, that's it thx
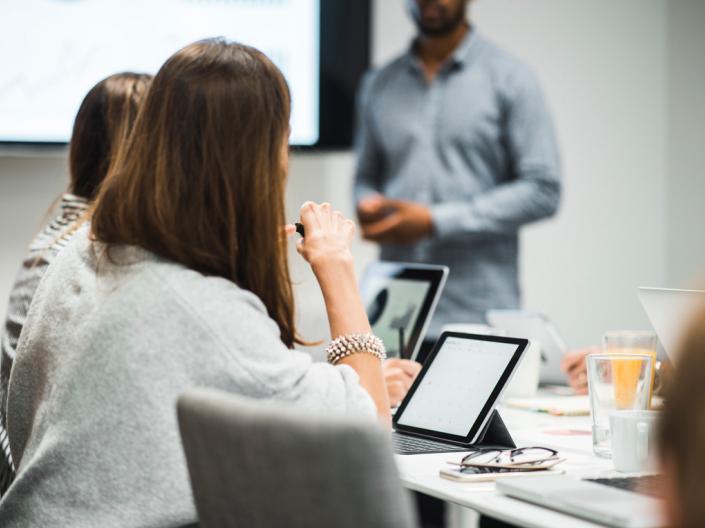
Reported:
(348, 344)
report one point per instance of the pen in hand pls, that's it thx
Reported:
(300, 228)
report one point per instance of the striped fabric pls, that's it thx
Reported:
(45, 246)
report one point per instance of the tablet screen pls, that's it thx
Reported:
(400, 300)
(458, 384)
(394, 310)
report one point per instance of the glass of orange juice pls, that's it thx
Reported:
(630, 342)
(615, 382)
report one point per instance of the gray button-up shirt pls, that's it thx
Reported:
(477, 146)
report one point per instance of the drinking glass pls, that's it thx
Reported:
(616, 382)
(633, 342)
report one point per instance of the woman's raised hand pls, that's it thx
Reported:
(329, 236)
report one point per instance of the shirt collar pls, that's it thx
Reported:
(463, 54)
(468, 48)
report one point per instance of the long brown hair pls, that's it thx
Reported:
(682, 428)
(103, 122)
(201, 179)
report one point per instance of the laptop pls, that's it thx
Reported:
(670, 311)
(400, 300)
(626, 502)
(537, 327)
(454, 396)
(622, 502)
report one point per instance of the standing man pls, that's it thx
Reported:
(455, 152)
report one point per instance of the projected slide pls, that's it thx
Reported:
(53, 51)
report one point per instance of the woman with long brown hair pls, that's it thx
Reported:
(180, 281)
(103, 121)
(682, 431)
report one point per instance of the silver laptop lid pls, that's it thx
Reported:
(596, 502)
(670, 311)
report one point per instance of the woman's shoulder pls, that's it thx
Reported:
(131, 286)
(212, 295)
(215, 302)
(139, 274)
(57, 232)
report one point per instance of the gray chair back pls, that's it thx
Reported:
(260, 464)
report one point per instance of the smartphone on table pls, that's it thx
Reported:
(488, 474)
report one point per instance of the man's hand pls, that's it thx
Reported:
(575, 368)
(372, 209)
(399, 374)
(393, 221)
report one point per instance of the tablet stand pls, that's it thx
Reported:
(402, 349)
(495, 434)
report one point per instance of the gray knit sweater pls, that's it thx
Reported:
(108, 345)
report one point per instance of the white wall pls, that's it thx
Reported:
(607, 89)
(28, 185)
(686, 143)
(605, 67)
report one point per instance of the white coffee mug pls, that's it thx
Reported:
(633, 440)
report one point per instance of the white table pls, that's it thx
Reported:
(420, 472)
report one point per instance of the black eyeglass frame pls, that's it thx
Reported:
(551, 454)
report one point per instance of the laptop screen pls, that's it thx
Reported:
(459, 384)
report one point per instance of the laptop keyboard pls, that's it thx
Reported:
(412, 445)
(646, 485)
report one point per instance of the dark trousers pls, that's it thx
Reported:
(432, 514)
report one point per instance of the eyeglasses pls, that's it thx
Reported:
(521, 459)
